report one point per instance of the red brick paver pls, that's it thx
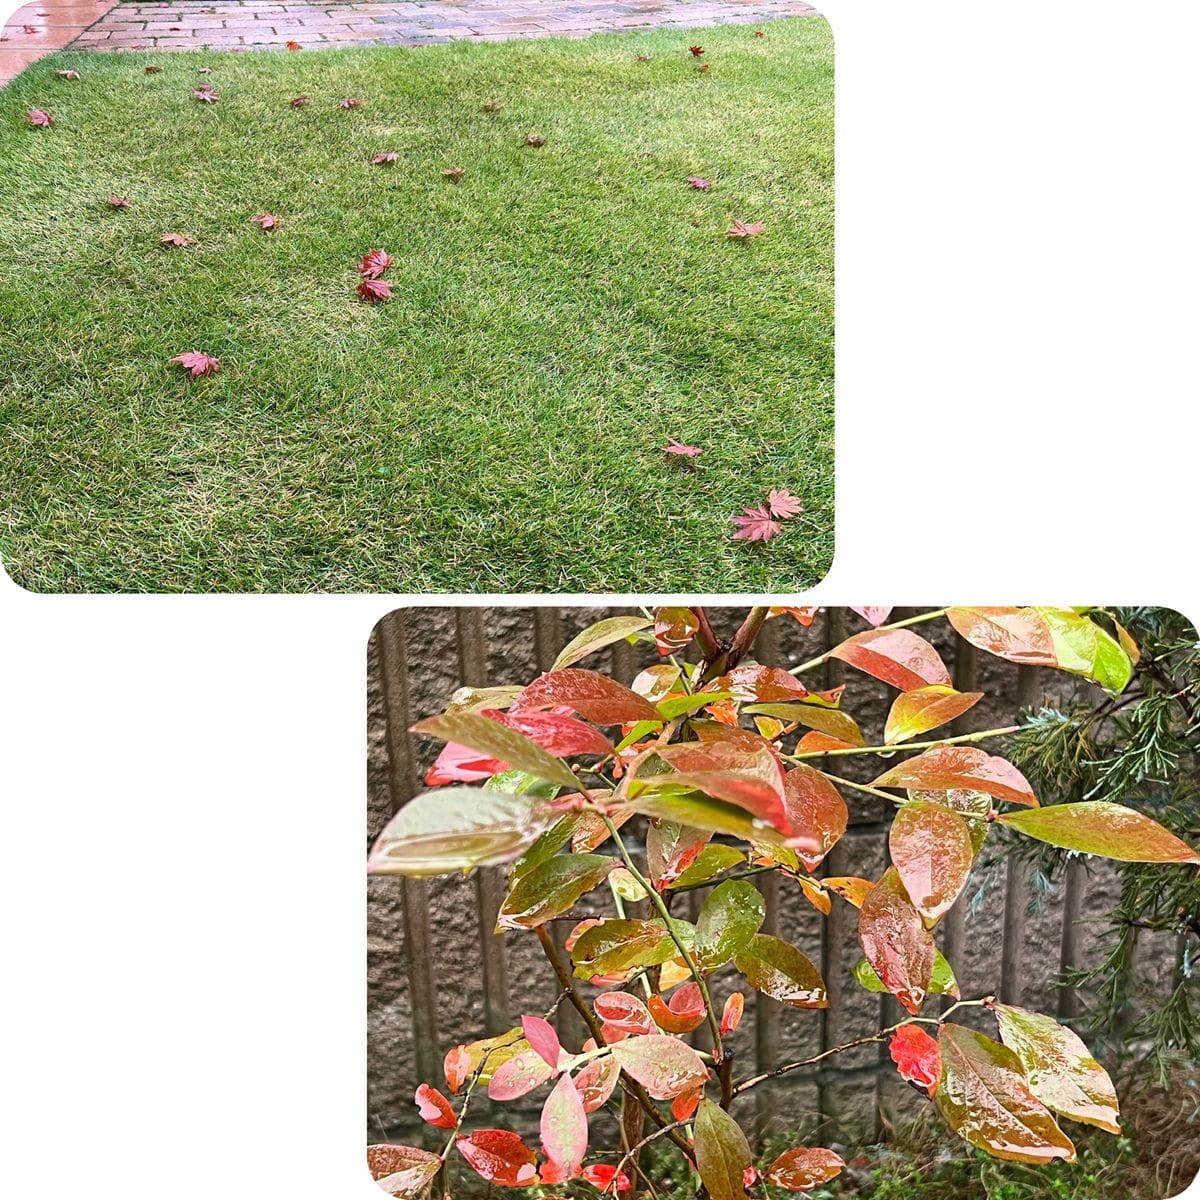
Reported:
(270, 24)
(41, 28)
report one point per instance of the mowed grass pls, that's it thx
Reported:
(496, 426)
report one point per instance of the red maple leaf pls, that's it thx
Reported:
(534, 139)
(176, 239)
(37, 116)
(374, 263)
(292, 45)
(349, 102)
(756, 525)
(699, 182)
(197, 362)
(115, 201)
(917, 1056)
(152, 70)
(299, 101)
(375, 289)
(206, 95)
(696, 50)
(739, 229)
(782, 503)
(268, 221)
(454, 174)
(67, 74)
(676, 447)
(384, 156)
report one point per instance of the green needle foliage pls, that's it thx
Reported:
(498, 424)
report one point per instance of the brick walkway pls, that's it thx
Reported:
(267, 24)
(41, 28)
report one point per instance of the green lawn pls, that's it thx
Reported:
(498, 424)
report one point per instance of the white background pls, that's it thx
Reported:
(182, 892)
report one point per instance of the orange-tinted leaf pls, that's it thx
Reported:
(603, 1175)
(731, 1014)
(592, 695)
(564, 1131)
(696, 51)
(986, 1100)
(1016, 634)
(815, 894)
(851, 888)
(897, 656)
(292, 45)
(815, 742)
(722, 1153)
(500, 1157)
(299, 101)
(1061, 1072)
(434, 1107)
(948, 767)
(779, 970)
(663, 1065)
(758, 684)
(597, 1081)
(917, 1057)
(926, 708)
(349, 102)
(931, 849)
(674, 628)
(560, 735)
(802, 1169)
(805, 614)
(402, 1171)
(542, 1039)
(682, 1014)
(685, 1104)
(197, 362)
(519, 1075)
(115, 201)
(624, 1013)
(384, 158)
(454, 174)
(896, 942)
(816, 813)
(1098, 827)
(456, 1067)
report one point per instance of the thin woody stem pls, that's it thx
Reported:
(904, 746)
(634, 1151)
(816, 662)
(664, 912)
(863, 787)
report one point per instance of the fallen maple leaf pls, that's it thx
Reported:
(153, 70)
(206, 95)
(739, 229)
(699, 182)
(349, 102)
(374, 289)
(199, 70)
(268, 221)
(29, 29)
(704, 66)
(756, 525)
(115, 201)
(176, 239)
(384, 157)
(643, 58)
(374, 263)
(37, 117)
(759, 33)
(676, 447)
(455, 173)
(491, 106)
(67, 74)
(292, 45)
(534, 139)
(197, 362)
(696, 50)
(299, 101)
(783, 504)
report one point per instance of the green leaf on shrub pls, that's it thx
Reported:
(1098, 827)
(711, 861)
(455, 829)
(722, 1153)
(731, 915)
(616, 946)
(1083, 648)
(941, 982)
(595, 637)
(499, 741)
(550, 888)
(782, 972)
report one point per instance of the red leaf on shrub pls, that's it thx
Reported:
(461, 764)
(456, 1066)
(948, 767)
(815, 742)
(699, 182)
(197, 362)
(756, 525)
(349, 102)
(816, 812)
(663, 1065)
(731, 1014)
(686, 1103)
(564, 1130)
(674, 629)
(384, 156)
(782, 503)
(873, 616)
(764, 685)
(556, 732)
(39, 117)
(742, 231)
(299, 101)
(67, 74)
(683, 1013)
(597, 1081)
(402, 1171)
(592, 695)
(677, 447)
(517, 1076)
(802, 1169)
(115, 201)
(539, 1033)
(435, 1108)
(917, 1056)
(176, 239)
(374, 289)
(374, 263)
(602, 1175)
(268, 221)
(897, 656)
(896, 942)
(696, 50)
(500, 1157)
(624, 1013)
